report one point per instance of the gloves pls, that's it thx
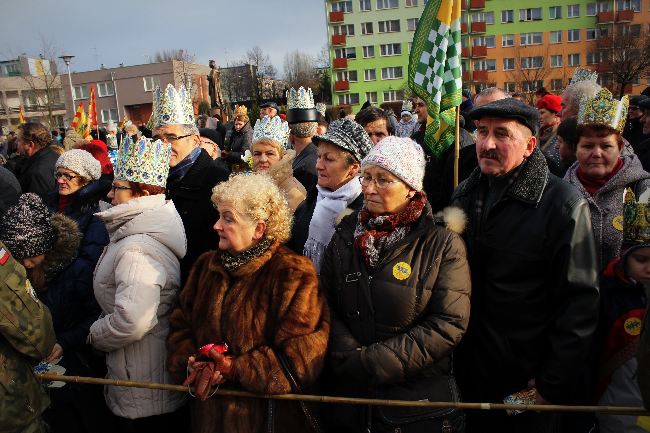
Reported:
(349, 364)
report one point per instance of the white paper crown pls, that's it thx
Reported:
(300, 98)
(407, 105)
(172, 107)
(583, 75)
(321, 108)
(145, 161)
(274, 129)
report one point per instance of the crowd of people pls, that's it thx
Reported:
(300, 254)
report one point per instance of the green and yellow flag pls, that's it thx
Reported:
(435, 70)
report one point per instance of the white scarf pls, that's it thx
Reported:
(329, 205)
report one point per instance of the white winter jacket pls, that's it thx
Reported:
(136, 284)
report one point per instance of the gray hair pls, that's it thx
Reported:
(304, 129)
(492, 91)
(190, 130)
(575, 93)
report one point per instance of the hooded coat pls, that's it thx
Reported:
(282, 174)
(606, 205)
(270, 304)
(136, 284)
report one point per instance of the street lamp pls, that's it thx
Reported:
(66, 59)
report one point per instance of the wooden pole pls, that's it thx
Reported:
(619, 410)
(457, 147)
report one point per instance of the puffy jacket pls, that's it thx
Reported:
(535, 286)
(136, 284)
(240, 142)
(402, 320)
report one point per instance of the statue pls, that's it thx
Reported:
(214, 86)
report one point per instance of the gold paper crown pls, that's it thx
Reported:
(145, 161)
(300, 98)
(172, 107)
(636, 219)
(241, 110)
(602, 109)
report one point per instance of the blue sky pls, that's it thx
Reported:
(131, 31)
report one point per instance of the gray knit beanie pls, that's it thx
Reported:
(81, 162)
(26, 228)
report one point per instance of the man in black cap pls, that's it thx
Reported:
(633, 131)
(268, 108)
(534, 274)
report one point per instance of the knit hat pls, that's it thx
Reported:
(348, 135)
(81, 162)
(401, 156)
(551, 103)
(26, 228)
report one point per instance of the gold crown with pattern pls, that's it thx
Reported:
(144, 161)
(636, 219)
(172, 107)
(603, 109)
(274, 129)
(321, 108)
(241, 110)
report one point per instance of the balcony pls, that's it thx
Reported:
(480, 76)
(625, 16)
(465, 52)
(341, 86)
(605, 17)
(463, 27)
(465, 76)
(340, 63)
(336, 17)
(478, 27)
(338, 40)
(479, 52)
(476, 4)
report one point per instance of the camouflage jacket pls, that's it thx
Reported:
(26, 337)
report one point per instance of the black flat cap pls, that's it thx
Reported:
(301, 115)
(212, 134)
(270, 104)
(509, 108)
(638, 100)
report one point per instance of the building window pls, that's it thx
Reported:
(633, 30)
(364, 5)
(591, 9)
(489, 65)
(593, 58)
(344, 29)
(81, 92)
(150, 83)
(592, 34)
(507, 40)
(345, 53)
(530, 14)
(531, 86)
(482, 17)
(484, 41)
(573, 35)
(371, 97)
(110, 114)
(626, 5)
(573, 11)
(105, 89)
(342, 6)
(557, 84)
(411, 3)
(574, 59)
(388, 26)
(387, 4)
(556, 61)
(366, 29)
(510, 87)
(508, 64)
(349, 99)
(392, 73)
(350, 76)
(555, 12)
(412, 24)
(508, 16)
(535, 62)
(531, 38)
(390, 49)
(393, 95)
(370, 75)
(556, 37)
(368, 51)
(488, 17)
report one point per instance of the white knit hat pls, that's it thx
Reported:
(401, 156)
(81, 162)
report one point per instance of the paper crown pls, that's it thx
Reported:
(172, 107)
(407, 105)
(241, 110)
(636, 219)
(300, 106)
(274, 129)
(583, 75)
(321, 108)
(145, 161)
(602, 109)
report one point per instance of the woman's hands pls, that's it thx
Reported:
(57, 352)
(206, 374)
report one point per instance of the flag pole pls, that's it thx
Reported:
(457, 146)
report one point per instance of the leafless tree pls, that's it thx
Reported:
(300, 70)
(238, 82)
(184, 64)
(265, 72)
(626, 56)
(531, 68)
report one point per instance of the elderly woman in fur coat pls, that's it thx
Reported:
(398, 284)
(259, 298)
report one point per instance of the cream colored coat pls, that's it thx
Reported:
(136, 284)
(282, 174)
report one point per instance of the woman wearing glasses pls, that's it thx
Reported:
(398, 285)
(136, 284)
(338, 191)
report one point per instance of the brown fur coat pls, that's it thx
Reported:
(271, 303)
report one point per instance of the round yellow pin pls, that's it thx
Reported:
(633, 326)
(401, 271)
(617, 222)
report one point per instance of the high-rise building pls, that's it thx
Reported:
(518, 46)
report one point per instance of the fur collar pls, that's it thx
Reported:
(529, 185)
(282, 170)
(64, 251)
(246, 269)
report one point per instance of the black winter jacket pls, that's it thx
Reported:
(535, 286)
(191, 196)
(238, 143)
(304, 167)
(36, 173)
(393, 328)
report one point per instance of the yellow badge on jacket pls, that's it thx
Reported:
(402, 271)
(633, 326)
(617, 222)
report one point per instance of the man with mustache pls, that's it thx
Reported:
(534, 275)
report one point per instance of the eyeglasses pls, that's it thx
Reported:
(170, 138)
(380, 183)
(119, 187)
(67, 177)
